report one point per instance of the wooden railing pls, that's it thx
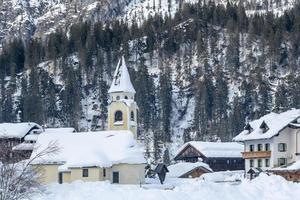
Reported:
(256, 154)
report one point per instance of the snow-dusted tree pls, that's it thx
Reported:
(19, 180)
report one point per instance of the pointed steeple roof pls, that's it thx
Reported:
(121, 81)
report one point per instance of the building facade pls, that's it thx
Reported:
(220, 156)
(271, 141)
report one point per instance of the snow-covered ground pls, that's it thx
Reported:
(262, 188)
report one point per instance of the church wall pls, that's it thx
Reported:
(129, 173)
(49, 173)
(66, 177)
(94, 174)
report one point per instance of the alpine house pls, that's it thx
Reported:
(112, 155)
(271, 141)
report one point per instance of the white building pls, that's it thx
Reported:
(271, 141)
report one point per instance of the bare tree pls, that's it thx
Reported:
(19, 180)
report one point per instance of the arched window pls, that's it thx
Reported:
(132, 116)
(118, 98)
(126, 97)
(118, 116)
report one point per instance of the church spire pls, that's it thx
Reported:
(121, 81)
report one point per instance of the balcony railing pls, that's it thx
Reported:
(256, 154)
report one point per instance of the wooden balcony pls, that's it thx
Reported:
(256, 154)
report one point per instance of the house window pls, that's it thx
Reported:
(126, 97)
(282, 147)
(118, 116)
(132, 116)
(281, 161)
(267, 147)
(85, 172)
(104, 172)
(118, 97)
(251, 147)
(259, 147)
(259, 163)
(267, 162)
(251, 163)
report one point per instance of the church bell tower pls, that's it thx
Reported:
(122, 109)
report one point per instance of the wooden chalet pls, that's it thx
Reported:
(220, 156)
(14, 134)
(188, 170)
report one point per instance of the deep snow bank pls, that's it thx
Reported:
(263, 188)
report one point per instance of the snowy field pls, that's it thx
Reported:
(262, 188)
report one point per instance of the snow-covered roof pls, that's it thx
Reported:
(86, 149)
(216, 149)
(17, 130)
(292, 167)
(121, 81)
(24, 147)
(275, 123)
(182, 168)
(34, 137)
(60, 130)
(31, 137)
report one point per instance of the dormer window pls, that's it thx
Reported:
(248, 128)
(264, 127)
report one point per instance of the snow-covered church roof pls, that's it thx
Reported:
(215, 149)
(121, 81)
(268, 126)
(90, 149)
(18, 130)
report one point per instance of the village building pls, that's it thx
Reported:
(112, 155)
(188, 170)
(12, 135)
(271, 141)
(220, 156)
(92, 156)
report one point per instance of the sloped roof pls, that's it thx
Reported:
(121, 81)
(216, 149)
(17, 130)
(86, 149)
(295, 166)
(179, 169)
(275, 122)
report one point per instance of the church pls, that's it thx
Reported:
(113, 155)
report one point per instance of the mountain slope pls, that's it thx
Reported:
(37, 18)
